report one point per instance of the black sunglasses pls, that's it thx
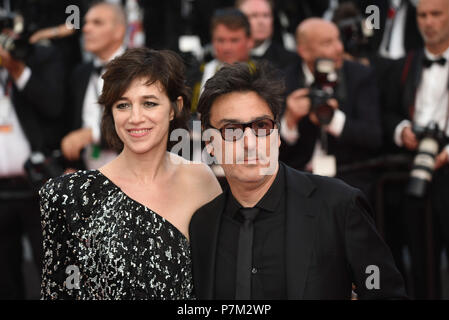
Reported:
(235, 131)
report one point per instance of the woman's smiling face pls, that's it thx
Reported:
(142, 116)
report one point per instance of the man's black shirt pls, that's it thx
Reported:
(268, 273)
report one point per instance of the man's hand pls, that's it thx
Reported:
(441, 159)
(59, 31)
(332, 103)
(409, 139)
(74, 142)
(298, 106)
(43, 34)
(14, 67)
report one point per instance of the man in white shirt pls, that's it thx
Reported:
(104, 31)
(418, 97)
(31, 103)
(231, 41)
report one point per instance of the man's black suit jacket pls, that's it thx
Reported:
(278, 56)
(404, 81)
(78, 82)
(412, 37)
(358, 98)
(40, 104)
(330, 242)
(403, 84)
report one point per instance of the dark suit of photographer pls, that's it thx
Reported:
(354, 134)
(419, 95)
(33, 95)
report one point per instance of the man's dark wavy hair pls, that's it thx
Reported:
(262, 78)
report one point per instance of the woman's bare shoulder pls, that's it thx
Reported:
(198, 177)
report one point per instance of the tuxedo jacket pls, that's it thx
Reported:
(78, 82)
(330, 242)
(278, 56)
(412, 37)
(405, 80)
(40, 105)
(401, 94)
(358, 98)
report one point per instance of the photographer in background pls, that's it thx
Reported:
(104, 33)
(353, 134)
(419, 96)
(260, 16)
(47, 20)
(31, 103)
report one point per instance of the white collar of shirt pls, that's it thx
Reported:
(434, 57)
(98, 62)
(209, 71)
(432, 94)
(261, 49)
(308, 76)
(395, 3)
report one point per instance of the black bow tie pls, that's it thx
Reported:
(427, 63)
(98, 70)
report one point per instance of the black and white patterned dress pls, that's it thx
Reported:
(116, 247)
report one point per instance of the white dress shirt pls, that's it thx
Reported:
(392, 45)
(260, 50)
(14, 146)
(92, 113)
(432, 98)
(210, 69)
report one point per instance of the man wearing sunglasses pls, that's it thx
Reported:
(277, 233)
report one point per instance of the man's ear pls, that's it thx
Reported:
(179, 105)
(303, 51)
(210, 148)
(250, 44)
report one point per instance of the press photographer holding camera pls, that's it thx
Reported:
(319, 134)
(417, 124)
(31, 102)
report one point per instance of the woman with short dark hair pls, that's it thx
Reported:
(121, 232)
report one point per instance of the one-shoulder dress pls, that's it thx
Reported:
(101, 244)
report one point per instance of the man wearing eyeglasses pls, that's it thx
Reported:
(277, 233)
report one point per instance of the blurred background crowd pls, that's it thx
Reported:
(366, 101)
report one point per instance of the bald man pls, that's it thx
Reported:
(419, 95)
(104, 32)
(354, 133)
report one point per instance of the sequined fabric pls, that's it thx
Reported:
(122, 249)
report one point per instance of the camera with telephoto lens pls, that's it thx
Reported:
(356, 36)
(430, 139)
(323, 89)
(40, 168)
(13, 36)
